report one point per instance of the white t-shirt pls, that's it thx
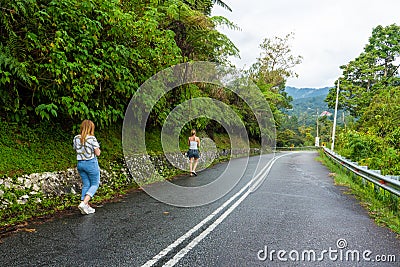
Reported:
(85, 151)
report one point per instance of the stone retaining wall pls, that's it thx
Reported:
(59, 183)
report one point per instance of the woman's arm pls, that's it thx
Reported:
(97, 151)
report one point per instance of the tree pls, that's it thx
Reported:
(76, 59)
(370, 92)
(270, 72)
(289, 132)
(196, 34)
(195, 31)
(274, 67)
(382, 117)
(375, 69)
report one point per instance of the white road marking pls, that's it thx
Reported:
(256, 181)
(203, 234)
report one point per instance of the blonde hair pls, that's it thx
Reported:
(193, 132)
(87, 128)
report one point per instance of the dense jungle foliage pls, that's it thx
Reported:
(370, 93)
(65, 61)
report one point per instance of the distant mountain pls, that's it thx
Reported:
(298, 93)
(307, 102)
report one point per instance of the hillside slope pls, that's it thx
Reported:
(307, 102)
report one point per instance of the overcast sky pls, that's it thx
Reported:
(327, 33)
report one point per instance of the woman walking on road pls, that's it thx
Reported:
(193, 153)
(87, 150)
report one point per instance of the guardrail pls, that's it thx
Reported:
(389, 184)
(296, 148)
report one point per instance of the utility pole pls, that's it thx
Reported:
(317, 137)
(334, 119)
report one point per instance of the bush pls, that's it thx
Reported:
(370, 150)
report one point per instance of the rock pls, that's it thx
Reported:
(7, 185)
(35, 187)
(21, 201)
(27, 183)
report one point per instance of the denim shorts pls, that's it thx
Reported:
(193, 153)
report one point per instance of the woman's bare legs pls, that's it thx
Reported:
(191, 166)
(86, 199)
(194, 166)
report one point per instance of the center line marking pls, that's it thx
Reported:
(262, 174)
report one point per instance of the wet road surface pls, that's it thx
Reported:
(290, 215)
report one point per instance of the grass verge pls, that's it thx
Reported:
(382, 206)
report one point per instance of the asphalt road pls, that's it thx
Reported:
(290, 215)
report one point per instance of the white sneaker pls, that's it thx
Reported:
(90, 209)
(83, 208)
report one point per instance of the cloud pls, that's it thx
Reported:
(328, 33)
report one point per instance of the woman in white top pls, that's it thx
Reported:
(87, 150)
(193, 153)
